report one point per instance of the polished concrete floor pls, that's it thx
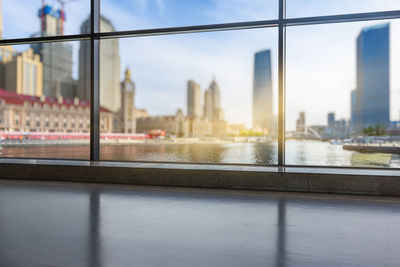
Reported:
(66, 224)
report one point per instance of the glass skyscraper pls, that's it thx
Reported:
(262, 91)
(372, 95)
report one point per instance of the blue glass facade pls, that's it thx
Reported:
(372, 96)
(262, 91)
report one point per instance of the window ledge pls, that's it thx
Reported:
(302, 179)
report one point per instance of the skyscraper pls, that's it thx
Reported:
(331, 120)
(262, 91)
(372, 95)
(212, 103)
(56, 57)
(193, 99)
(301, 123)
(110, 93)
(208, 105)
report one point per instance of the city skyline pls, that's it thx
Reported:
(236, 100)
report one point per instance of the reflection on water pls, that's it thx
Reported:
(298, 152)
(308, 152)
(244, 153)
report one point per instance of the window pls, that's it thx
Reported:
(45, 83)
(355, 85)
(201, 106)
(231, 82)
(44, 20)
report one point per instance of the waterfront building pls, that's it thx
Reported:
(262, 91)
(110, 92)
(141, 113)
(56, 57)
(128, 120)
(175, 125)
(331, 120)
(193, 99)
(21, 72)
(336, 128)
(301, 123)
(24, 113)
(199, 127)
(372, 95)
(220, 128)
(179, 125)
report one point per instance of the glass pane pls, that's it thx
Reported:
(44, 103)
(27, 18)
(305, 8)
(343, 86)
(189, 98)
(128, 15)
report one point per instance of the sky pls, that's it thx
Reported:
(320, 59)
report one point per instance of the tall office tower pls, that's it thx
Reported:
(216, 95)
(331, 120)
(262, 91)
(56, 57)
(110, 93)
(128, 120)
(193, 99)
(208, 105)
(372, 101)
(301, 122)
(212, 103)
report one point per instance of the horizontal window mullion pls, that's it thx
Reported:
(342, 18)
(189, 29)
(45, 39)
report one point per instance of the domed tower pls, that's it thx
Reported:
(128, 120)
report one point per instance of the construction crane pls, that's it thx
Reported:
(62, 13)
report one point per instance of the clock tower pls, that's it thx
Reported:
(128, 120)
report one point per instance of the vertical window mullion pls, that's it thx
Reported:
(94, 81)
(281, 82)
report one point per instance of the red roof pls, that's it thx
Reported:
(16, 99)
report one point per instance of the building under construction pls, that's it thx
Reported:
(56, 57)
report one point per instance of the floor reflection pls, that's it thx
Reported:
(65, 224)
(281, 234)
(94, 230)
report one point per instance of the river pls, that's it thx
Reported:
(298, 152)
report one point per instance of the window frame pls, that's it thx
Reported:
(94, 36)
